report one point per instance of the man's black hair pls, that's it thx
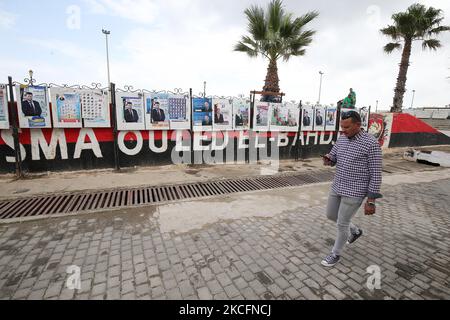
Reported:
(356, 118)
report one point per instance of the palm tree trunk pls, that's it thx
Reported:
(272, 80)
(400, 89)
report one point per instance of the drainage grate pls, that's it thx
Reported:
(113, 199)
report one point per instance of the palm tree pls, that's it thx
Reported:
(275, 34)
(418, 23)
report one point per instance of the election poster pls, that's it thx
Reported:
(4, 119)
(285, 117)
(130, 111)
(308, 118)
(319, 118)
(365, 115)
(202, 114)
(157, 111)
(33, 107)
(261, 116)
(241, 114)
(95, 108)
(223, 114)
(66, 108)
(331, 120)
(179, 112)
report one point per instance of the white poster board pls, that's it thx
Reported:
(307, 118)
(319, 118)
(130, 111)
(33, 107)
(261, 116)
(95, 108)
(202, 114)
(66, 108)
(180, 112)
(331, 119)
(4, 118)
(285, 117)
(223, 114)
(241, 114)
(365, 115)
(157, 111)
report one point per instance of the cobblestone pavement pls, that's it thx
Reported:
(123, 255)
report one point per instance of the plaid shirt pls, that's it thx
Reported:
(359, 162)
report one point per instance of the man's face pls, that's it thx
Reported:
(207, 105)
(157, 105)
(349, 128)
(29, 97)
(128, 106)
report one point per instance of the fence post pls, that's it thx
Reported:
(300, 123)
(15, 130)
(112, 92)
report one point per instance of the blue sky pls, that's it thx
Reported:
(181, 43)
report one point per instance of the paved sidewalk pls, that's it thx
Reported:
(261, 245)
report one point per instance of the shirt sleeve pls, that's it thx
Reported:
(333, 152)
(375, 170)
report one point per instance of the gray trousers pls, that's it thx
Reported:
(341, 210)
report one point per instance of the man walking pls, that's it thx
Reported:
(358, 160)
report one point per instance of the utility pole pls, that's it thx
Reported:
(320, 88)
(107, 33)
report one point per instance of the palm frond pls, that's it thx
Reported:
(390, 47)
(391, 31)
(257, 25)
(432, 44)
(275, 14)
(438, 30)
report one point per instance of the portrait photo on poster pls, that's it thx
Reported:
(95, 109)
(308, 118)
(241, 114)
(202, 114)
(66, 108)
(4, 115)
(157, 111)
(130, 111)
(261, 116)
(223, 114)
(365, 115)
(330, 119)
(284, 117)
(319, 118)
(33, 107)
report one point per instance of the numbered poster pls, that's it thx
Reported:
(202, 113)
(130, 111)
(285, 117)
(223, 114)
(33, 107)
(66, 108)
(331, 121)
(319, 118)
(179, 112)
(95, 108)
(157, 111)
(308, 118)
(4, 119)
(241, 114)
(261, 116)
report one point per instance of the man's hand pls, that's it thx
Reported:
(370, 208)
(327, 160)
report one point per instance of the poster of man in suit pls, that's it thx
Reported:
(34, 109)
(130, 111)
(241, 114)
(307, 118)
(319, 118)
(157, 111)
(223, 114)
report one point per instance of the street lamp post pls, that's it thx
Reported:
(412, 102)
(320, 88)
(376, 109)
(204, 89)
(107, 33)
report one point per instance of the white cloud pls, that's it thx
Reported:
(7, 19)
(140, 11)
